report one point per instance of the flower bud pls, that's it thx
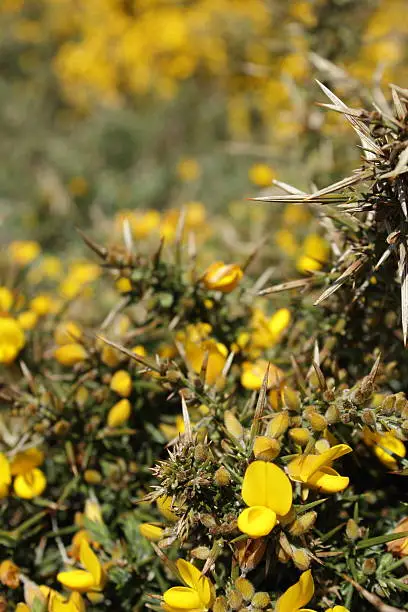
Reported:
(368, 417)
(121, 383)
(81, 396)
(291, 399)
(119, 413)
(352, 530)
(332, 414)
(235, 600)
(70, 354)
(278, 425)
(222, 477)
(92, 477)
(303, 523)
(245, 587)
(232, 425)
(151, 532)
(317, 421)
(220, 604)
(299, 435)
(266, 449)
(201, 552)
(261, 600)
(201, 452)
(301, 559)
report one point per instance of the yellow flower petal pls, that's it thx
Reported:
(91, 562)
(183, 598)
(5, 473)
(164, 504)
(189, 574)
(26, 461)
(77, 580)
(304, 466)
(265, 484)
(328, 480)
(30, 485)
(151, 532)
(257, 521)
(119, 413)
(297, 595)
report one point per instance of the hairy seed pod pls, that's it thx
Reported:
(261, 600)
(222, 477)
(303, 523)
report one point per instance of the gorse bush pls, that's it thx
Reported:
(176, 436)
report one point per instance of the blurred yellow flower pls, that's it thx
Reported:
(214, 353)
(253, 374)
(315, 253)
(67, 332)
(261, 175)
(121, 383)
(70, 354)
(27, 319)
(151, 532)
(268, 492)
(5, 476)
(119, 413)
(9, 574)
(188, 169)
(42, 305)
(222, 277)
(399, 547)
(6, 299)
(23, 252)
(12, 339)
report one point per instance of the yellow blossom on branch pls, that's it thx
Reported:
(222, 277)
(386, 446)
(315, 471)
(268, 493)
(88, 580)
(12, 339)
(197, 594)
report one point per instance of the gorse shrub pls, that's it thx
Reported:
(174, 435)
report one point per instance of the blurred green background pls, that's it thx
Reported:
(108, 105)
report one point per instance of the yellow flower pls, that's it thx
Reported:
(6, 299)
(316, 472)
(196, 353)
(197, 595)
(58, 603)
(164, 505)
(70, 354)
(123, 285)
(121, 383)
(5, 476)
(29, 481)
(143, 223)
(315, 253)
(23, 252)
(67, 332)
(253, 374)
(385, 444)
(261, 175)
(9, 574)
(172, 431)
(195, 215)
(267, 332)
(399, 547)
(222, 277)
(119, 413)
(337, 609)
(188, 169)
(297, 595)
(151, 532)
(286, 241)
(91, 579)
(268, 493)
(27, 319)
(42, 305)
(12, 339)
